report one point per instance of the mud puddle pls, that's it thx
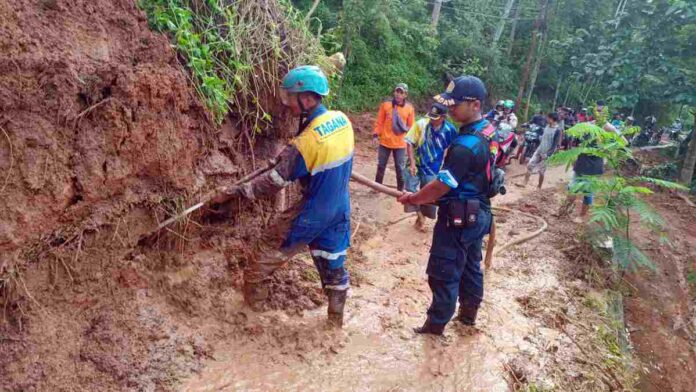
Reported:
(377, 349)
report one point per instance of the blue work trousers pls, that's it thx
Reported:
(328, 243)
(454, 267)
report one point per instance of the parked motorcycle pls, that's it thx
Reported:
(532, 139)
(675, 131)
(643, 138)
(657, 136)
(507, 141)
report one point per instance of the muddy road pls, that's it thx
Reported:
(377, 349)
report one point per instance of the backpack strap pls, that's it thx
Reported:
(490, 166)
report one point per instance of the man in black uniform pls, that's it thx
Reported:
(461, 190)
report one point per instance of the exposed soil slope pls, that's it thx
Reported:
(102, 136)
(661, 307)
(98, 112)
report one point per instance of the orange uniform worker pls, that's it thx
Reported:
(394, 119)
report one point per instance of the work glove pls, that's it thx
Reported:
(224, 193)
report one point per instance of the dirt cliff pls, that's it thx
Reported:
(102, 135)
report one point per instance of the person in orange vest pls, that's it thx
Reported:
(394, 119)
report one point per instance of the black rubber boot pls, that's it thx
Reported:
(467, 315)
(337, 301)
(430, 328)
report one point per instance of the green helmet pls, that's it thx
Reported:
(306, 78)
(509, 104)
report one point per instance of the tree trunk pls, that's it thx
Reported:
(535, 73)
(539, 25)
(514, 27)
(436, 12)
(558, 88)
(311, 10)
(687, 172)
(565, 100)
(501, 24)
(619, 12)
(589, 90)
(348, 34)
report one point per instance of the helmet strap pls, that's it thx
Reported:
(302, 124)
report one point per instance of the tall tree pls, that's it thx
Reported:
(535, 73)
(437, 7)
(687, 172)
(501, 23)
(539, 27)
(513, 28)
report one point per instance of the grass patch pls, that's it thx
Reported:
(236, 52)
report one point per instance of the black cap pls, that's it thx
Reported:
(436, 111)
(463, 88)
(600, 103)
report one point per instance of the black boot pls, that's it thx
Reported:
(430, 328)
(467, 315)
(337, 301)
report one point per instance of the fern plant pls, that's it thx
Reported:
(620, 201)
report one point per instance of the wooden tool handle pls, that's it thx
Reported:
(490, 245)
(374, 185)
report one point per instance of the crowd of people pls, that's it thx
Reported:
(445, 172)
(419, 146)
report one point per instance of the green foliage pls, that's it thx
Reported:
(387, 42)
(691, 277)
(641, 57)
(629, 132)
(619, 198)
(391, 41)
(234, 51)
(177, 19)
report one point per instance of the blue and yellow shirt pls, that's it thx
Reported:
(324, 166)
(430, 144)
(321, 158)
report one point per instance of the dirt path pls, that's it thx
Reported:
(543, 325)
(377, 349)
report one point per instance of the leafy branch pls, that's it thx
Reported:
(619, 198)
